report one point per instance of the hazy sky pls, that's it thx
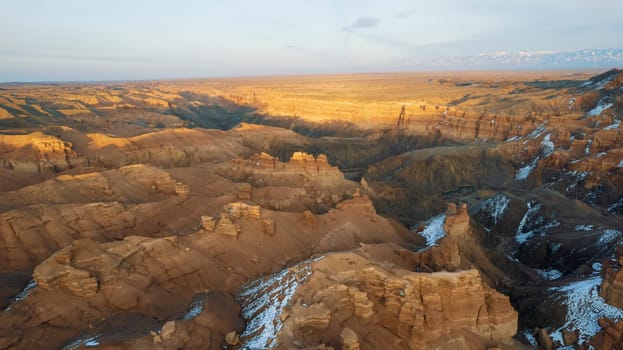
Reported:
(145, 39)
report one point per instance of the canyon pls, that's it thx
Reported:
(474, 210)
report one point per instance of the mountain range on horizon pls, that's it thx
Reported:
(579, 59)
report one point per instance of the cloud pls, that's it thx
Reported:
(404, 14)
(362, 22)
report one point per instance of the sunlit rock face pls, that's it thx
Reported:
(415, 309)
(36, 152)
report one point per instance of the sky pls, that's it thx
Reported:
(88, 40)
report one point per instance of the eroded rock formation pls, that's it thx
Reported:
(155, 233)
(266, 170)
(36, 152)
(97, 280)
(612, 284)
(411, 310)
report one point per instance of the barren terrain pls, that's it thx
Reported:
(441, 210)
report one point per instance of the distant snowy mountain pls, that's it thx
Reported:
(589, 58)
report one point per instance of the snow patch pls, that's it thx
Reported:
(620, 165)
(91, 343)
(538, 131)
(547, 148)
(196, 307)
(598, 85)
(551, 274)
(22, 295)
(613, 126)
(263, 301)
(86, 340)
(584, 308)
(596, 267)
(579, 176)
(434, 230)
(557, 337)
(587, 149)
(530, 338)
(584, 227)
(525, 171)
(496, 207)
(608, 236)
(532, 223)
(547, 145)
(601, 106)
(522, 237)
(614, 206)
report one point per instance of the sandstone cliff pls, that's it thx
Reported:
(38, 152)
(386, 307)
(266, 170)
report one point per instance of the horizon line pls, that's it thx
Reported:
(286, 75)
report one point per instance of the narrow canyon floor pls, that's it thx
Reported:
(444, 210)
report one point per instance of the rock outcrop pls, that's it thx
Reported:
(304, 182)
(182, 190)
(226, 222)
(612, 284)
(457, 224)
(417, 309)
(57, 272)
(265, 170)
(29, 235)
(36, 152)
